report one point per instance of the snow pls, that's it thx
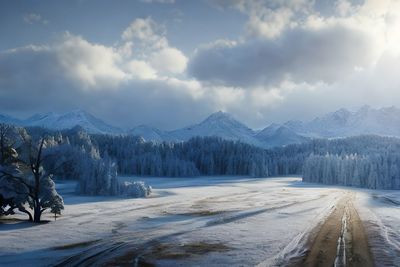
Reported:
(263, 222)
(218, 124)
(71, 119)
(344, 123)
(341, 123)
(279, 135)
(66, 120)
(380, 211)
(149, 133)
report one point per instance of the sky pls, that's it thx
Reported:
(171, 63)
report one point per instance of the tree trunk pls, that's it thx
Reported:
(37, 213)
(29, 214)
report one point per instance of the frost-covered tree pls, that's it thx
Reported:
(25, 180)
(42, 193)
(376, 172)
(13, 193)
(366, 161)
(98, 178)
(137, 189)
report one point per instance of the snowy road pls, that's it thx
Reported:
(340, 240)
(218, 221)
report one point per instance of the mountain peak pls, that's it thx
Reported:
(365, 107)
(148, 133)
(219, 115)
(78, 111)
(220, 124)
(69, 120)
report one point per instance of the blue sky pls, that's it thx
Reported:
(102, 21)
(169, 63)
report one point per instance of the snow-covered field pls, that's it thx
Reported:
(202, 221)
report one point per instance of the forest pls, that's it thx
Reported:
(31, 159)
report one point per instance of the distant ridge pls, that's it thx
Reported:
(341, 123)
(63, 121)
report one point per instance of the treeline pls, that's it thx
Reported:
(81, 154)
(378, 171)
(198, 156)
(362, 161)
(95, 160)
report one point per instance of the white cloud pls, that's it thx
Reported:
(300, 55)
(292, 61)
(34, 18)
(146, 40)
(145, 33)
(169, 60)
(89, 64)
(267, 18)
(140, 70)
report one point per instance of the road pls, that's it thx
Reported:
(340, 240)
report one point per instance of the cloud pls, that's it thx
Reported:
(35, 79)
(122, 87)
(301, 55)
(292, 61)
(89, 64)
(269, 18)
(146, 33)
(140, 70)
(33, 18)
(146, 40)
(299, 41)
(169, 60)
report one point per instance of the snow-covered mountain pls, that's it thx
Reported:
(343, 123)
(150, 133)
(220, 124)
(9, 120)
(71, 119)
(67, 120)
(279, 135)
(224, 125)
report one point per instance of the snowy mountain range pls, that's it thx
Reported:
(344, 123)
(341, 123)
(63, 121)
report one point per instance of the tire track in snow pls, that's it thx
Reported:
(339, 241)
(118, 245)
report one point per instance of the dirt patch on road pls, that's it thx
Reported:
(340, 240)
(199, 213)
(76, 245)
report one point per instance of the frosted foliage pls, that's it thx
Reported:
(135, 189)
(376, 171)
(100, 179)
(49, 198)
